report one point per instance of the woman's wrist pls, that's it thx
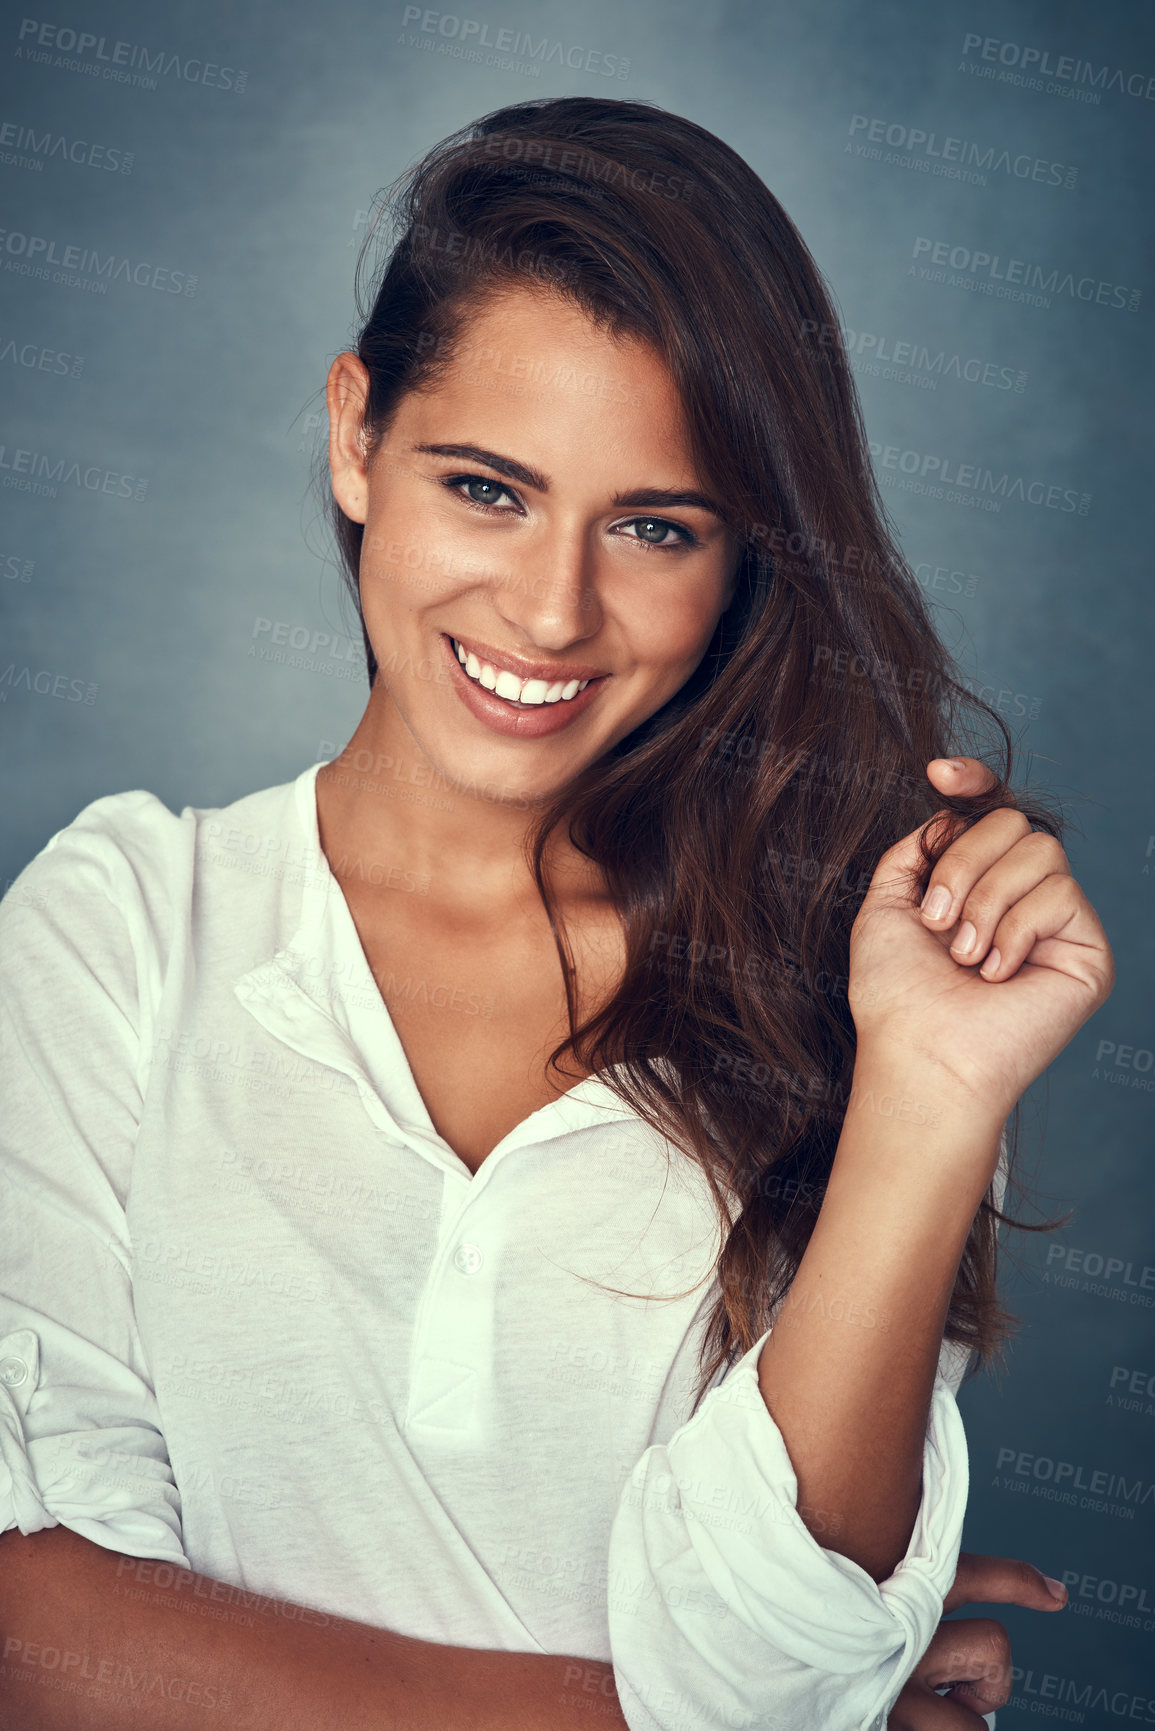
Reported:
(899, 1081)
(913, 1130)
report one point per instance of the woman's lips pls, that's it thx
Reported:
(532, 721)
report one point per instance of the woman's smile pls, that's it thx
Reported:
(526, 709)
(512, 676)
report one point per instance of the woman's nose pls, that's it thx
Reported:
(550, 598)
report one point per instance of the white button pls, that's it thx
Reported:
(13, 1371)
(468, 1258)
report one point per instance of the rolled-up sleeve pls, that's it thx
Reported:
(80, 1436)
(724, 1608)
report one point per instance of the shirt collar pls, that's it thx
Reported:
(318, 995)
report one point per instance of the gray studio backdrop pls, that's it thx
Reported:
(973, 179)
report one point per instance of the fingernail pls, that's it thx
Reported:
(992, 963)
(936, 903)
(965, 941)
(1055, 1588)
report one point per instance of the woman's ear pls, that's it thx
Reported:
(346, 393)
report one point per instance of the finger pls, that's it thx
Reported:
(1056, 909)
(982, 1580)
(960, 778)
(973, 1656)
(1027, 863)
(963, 776)
(901, 866)
(966, 860)
(920, 1709)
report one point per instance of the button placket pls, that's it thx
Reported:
(450, 1368)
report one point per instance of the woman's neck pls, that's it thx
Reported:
(386, 810)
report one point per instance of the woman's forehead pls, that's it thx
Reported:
(531, 365)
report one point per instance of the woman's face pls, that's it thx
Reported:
(537, 510)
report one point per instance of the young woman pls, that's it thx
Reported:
(494, 1226)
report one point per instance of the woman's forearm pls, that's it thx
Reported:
(849, 1367)
(92, 1642)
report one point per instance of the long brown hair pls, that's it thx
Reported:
(738, 827)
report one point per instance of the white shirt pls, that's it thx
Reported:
(257, 1319)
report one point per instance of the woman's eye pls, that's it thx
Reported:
(652, 532)
(478, 489)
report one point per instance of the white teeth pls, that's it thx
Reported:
(503, 683)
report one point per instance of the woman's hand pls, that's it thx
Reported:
(993, 1015)
(973, 1655)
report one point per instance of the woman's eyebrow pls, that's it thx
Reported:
(645, 498)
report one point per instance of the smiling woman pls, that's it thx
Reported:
(551, 1284)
